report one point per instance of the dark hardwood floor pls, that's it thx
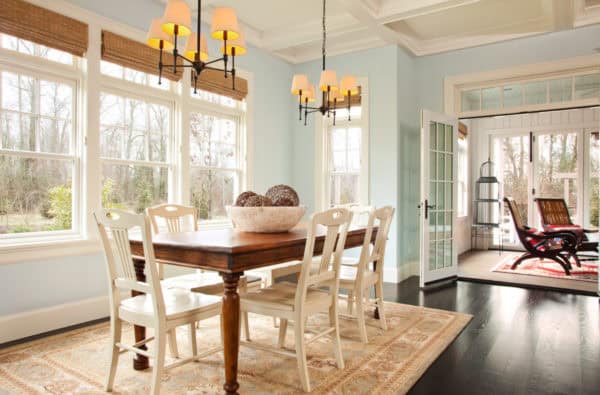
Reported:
(520, 341)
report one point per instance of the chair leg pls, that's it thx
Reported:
(523, 257)
(360, 316)
(337, 344)
(172, 336)
(350, 302)
(283, 324)
(379, 297)
(301, 353)
(116, 330)
(193, 342)
(159, 361)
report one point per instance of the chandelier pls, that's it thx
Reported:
(177, 23)
(332, 94)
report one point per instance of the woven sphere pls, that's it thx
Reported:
(258, 201)
(283, 195)
(243, 198)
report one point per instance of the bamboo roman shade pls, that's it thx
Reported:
(27, 21)
(215, 82)
(136, 55)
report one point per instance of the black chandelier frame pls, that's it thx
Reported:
(197, 65)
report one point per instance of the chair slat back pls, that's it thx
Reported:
(382, 219)
(515, 213)
(114, 227)
(553, 211)
(336, 222)
(177, 218)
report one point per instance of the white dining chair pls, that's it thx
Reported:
(316, 292)
(156, 307)
(357, 280)
(176, 218)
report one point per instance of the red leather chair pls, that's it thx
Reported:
(558, 246)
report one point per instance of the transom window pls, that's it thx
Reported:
(29, 48)
(139, 77)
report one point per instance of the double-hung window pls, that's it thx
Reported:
(39, 142)
(346, 172)
(136, 136)
(217, 162)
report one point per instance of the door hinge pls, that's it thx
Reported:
(533, 191)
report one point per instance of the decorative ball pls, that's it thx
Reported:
(258, 201)
(283, 195)
(243, 198)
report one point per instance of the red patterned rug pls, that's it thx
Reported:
(547, 268)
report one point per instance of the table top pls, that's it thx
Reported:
(232, 250)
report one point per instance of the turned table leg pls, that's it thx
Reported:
(140, 362)
(231, 330)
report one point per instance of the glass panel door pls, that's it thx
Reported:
(438, 197)
(511, 156)
(556, 170)
(592, 217)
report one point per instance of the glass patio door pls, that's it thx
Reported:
(439, 136)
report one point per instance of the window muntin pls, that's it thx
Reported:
(214, 98)
(135, 138)
(216, 165)
(138, 77)
(40, 51)
(534, 92)
(38, 154)
(344, 167)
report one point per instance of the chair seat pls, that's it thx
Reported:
(281, 296)
(206, 282)
(348, 276)
(178, 304)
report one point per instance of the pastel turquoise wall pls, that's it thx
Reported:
(44, 283)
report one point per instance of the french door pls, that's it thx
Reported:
(439, 136)
(544, 164)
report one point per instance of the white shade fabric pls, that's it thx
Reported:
(328, 80)
(349, 84)
(192, 47)
(156, 34)
(224, 20)
(299, 82)
(177, 14)
(237, 44)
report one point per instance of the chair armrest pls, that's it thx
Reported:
(565, 235)
(590, 230)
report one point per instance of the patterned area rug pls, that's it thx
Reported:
(76, 362)
(548, 268)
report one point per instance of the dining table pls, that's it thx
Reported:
(230, 252)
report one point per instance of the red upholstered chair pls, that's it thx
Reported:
(553, 245)
(555, 217)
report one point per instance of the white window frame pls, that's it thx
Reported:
(323, 158)
(70, 74)
(240, 114)
(581, 65)
(90, 83)
(460, 181)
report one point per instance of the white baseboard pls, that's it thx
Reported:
(29, 323)
(399, 274)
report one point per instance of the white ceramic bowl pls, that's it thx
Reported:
(265, 219)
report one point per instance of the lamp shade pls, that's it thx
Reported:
(310, 94)
(299, 82)
(156, 35)
(337, 96)
(192, 47)
(237, 44)
(177, 14)
(328, 80)
(349, 85)
(224, 21)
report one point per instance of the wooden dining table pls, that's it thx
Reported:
(230, 253)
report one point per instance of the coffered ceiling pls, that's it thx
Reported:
(291, 29)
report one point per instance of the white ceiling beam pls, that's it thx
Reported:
(392, 11)
(363, 11)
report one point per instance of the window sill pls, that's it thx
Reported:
(47, 249)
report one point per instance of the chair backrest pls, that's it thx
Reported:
(177, 218)
(114, 227)
(336, 222)
(360, 214)
(382, 218)
(515, 213)
(553, 211)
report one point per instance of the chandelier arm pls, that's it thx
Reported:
(214, 61)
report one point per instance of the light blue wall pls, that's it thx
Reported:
(43, 283)
(380, 66)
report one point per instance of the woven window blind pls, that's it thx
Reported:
(29, 22)
(215, 82)
(136, 55)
